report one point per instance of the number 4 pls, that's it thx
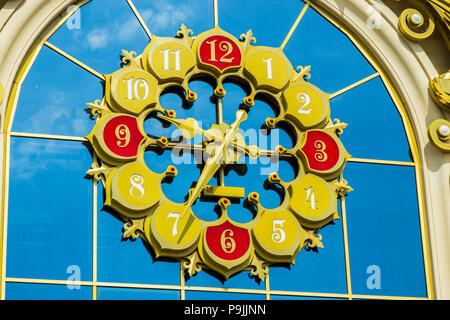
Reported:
(312, 198)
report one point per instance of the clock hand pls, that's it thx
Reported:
(252, 151)
(212, 165)
(189, 127)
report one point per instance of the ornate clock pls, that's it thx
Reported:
(133, 191)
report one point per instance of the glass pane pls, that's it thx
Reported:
(200, 295)
(136, 294)
(384, 231)
(54, 95)
(28, 291)
(316, 271)
(270, 21)
(164, 18)
(242, 280)
(277, 297)
(128, 261)
(375, 129)
(105, 28)
(335, 62)
(49, 210)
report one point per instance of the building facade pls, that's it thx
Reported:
(382, 66)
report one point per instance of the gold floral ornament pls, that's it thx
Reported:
(440, 90)
(133, 191)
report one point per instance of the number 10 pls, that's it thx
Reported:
(133, 90)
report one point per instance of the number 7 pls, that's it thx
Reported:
(176, 216)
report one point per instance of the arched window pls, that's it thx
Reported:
(57, 231)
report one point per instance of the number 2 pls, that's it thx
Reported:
(306, 100)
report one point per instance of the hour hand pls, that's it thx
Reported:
(252, 152)
(189, 127)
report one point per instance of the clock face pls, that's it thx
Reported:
(133, 113)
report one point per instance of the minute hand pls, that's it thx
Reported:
(213, 164)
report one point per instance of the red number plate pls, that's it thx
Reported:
(122, 136)
(220, 52)
(321, 151)
(227, 241)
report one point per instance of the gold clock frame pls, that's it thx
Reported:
(106, 168)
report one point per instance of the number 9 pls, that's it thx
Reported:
(123, 135)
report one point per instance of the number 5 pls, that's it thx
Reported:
(176, 216)
(278, 234)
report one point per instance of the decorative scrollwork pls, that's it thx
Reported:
(342, 187)
(130, 230)
(440, 90)
(185, 34)
(313, 240)
(129, 59)
(338, 126)
(412, 20)
(97, 109)
(439, 134)
(304, 73)
(248, 39)
(258, 269)
(193, 264)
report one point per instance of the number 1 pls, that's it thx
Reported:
(269, 67)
